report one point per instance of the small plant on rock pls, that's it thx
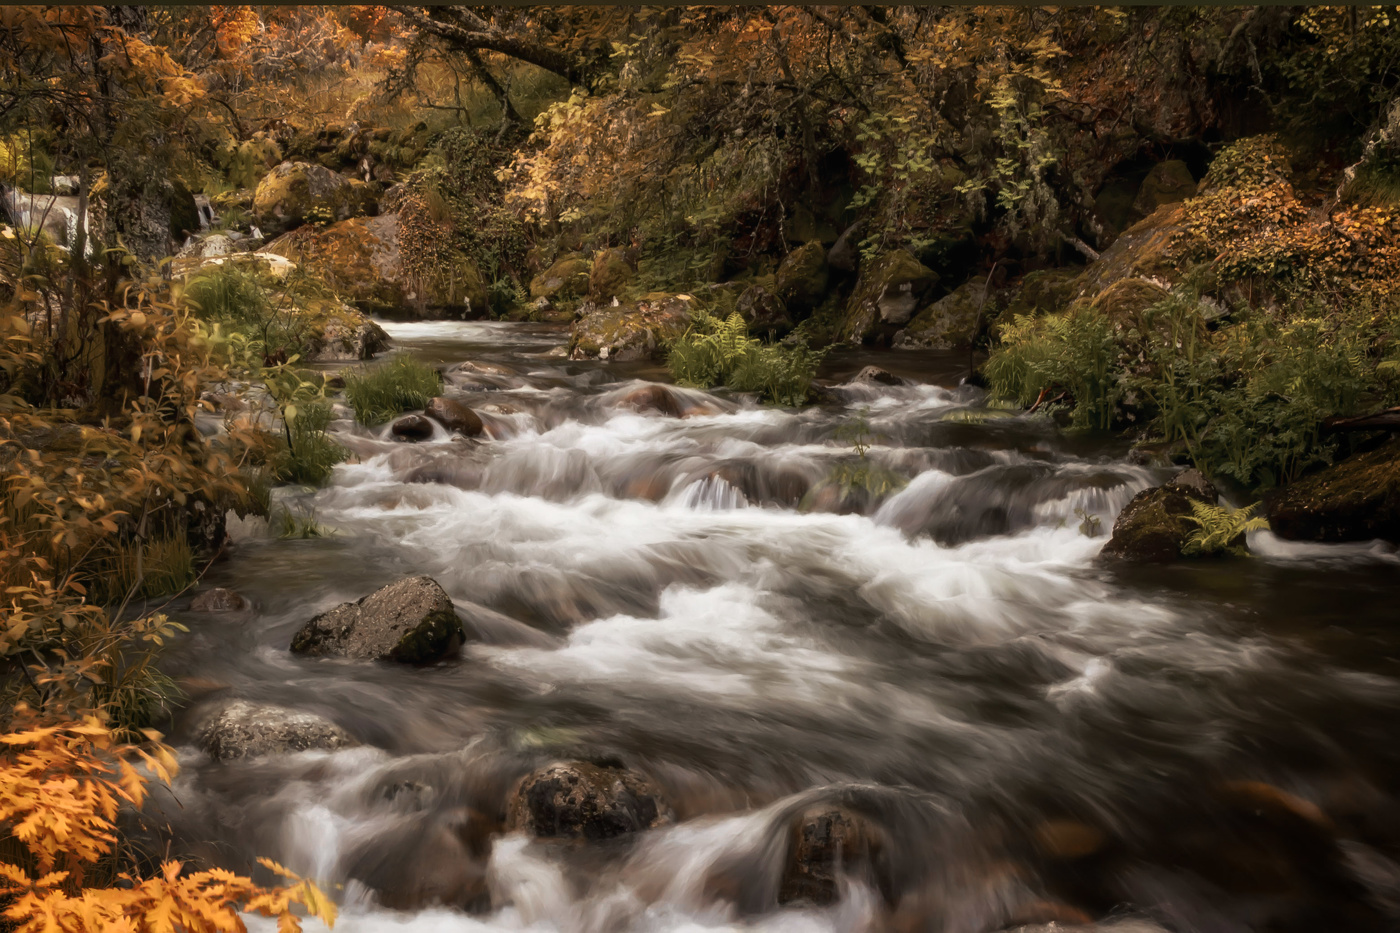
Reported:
(1220, 530)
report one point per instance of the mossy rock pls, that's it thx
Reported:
(632, 331)
(887, 292)
(412, 621)
(610, 274)
(1357, 499)
(1124, 301)
(361, 259)
(802, 278)
(1046, 291)
(1143, 251)
(763, 310)
(1169, 182)
(1154, 526)
(295, 192)
(567, 278)
(949, 322)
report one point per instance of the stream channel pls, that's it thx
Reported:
(1027, 734)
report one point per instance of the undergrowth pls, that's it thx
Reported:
(381, 393)
(715, 351)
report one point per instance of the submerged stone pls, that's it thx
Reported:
(412, 621)
(827, 843)
(454, 415)
(218, 599)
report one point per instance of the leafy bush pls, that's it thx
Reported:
(1075, 353)
(382, 392)
(1245, 401)
(718, 351)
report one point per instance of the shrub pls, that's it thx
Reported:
(382, 392)
(718, 351)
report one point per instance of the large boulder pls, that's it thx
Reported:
(1357, 499)
(566, 279)
(411, 621)
(294, 193)
(610, 274)
(343, 335)
(361, 259)
(631, 331)
(1156, 523)
(887, 293)
(949, 322)
(802, 276)
(583, 800)
(242, 729)
(1143, 251)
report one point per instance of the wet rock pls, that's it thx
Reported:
(567, 278)
(610, 274)
(1169, 182)
(1156, 523)
(421, 863)
(295, 192)
(631, 331)
(827, 842)
(949, 322)
(886, 293)
(763, 310)
(874, 375)
(1357, 499)
(412, 428)
(801, 279)
(1265, 800)
(844, 254)
(655, 398)
(218, 599)
(583, 800)
(454, 416)
(241, 729)
(411, 621)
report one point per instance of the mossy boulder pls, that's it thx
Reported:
(949, 322)
(763, 310)
(241, 729)
(411, 621)
(1357, 499)
(610, 274)
(296, 192)
(1154, 526)
(1168, 182)
(631, 331)
(802, 278)
(886, 293)
(338, 333)
(361, 258)
(1143, 251)
(568, 278)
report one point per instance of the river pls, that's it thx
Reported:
(715, 600)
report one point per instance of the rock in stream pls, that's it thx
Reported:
(412, 621)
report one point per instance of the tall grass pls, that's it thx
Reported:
(381, 393)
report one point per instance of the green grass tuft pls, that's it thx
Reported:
(381, 393)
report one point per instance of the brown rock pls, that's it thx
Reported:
(454, 416)
(1068, 839)
(412, 621)
(582, 800)
(655, 398)
(827, 842)
(412, 428)
(218, 600)
(1357, 499)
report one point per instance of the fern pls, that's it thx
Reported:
(1218, 527)
(719, 351)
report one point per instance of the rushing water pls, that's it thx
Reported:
(703, 599)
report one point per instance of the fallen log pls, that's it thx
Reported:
(1387, 420)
